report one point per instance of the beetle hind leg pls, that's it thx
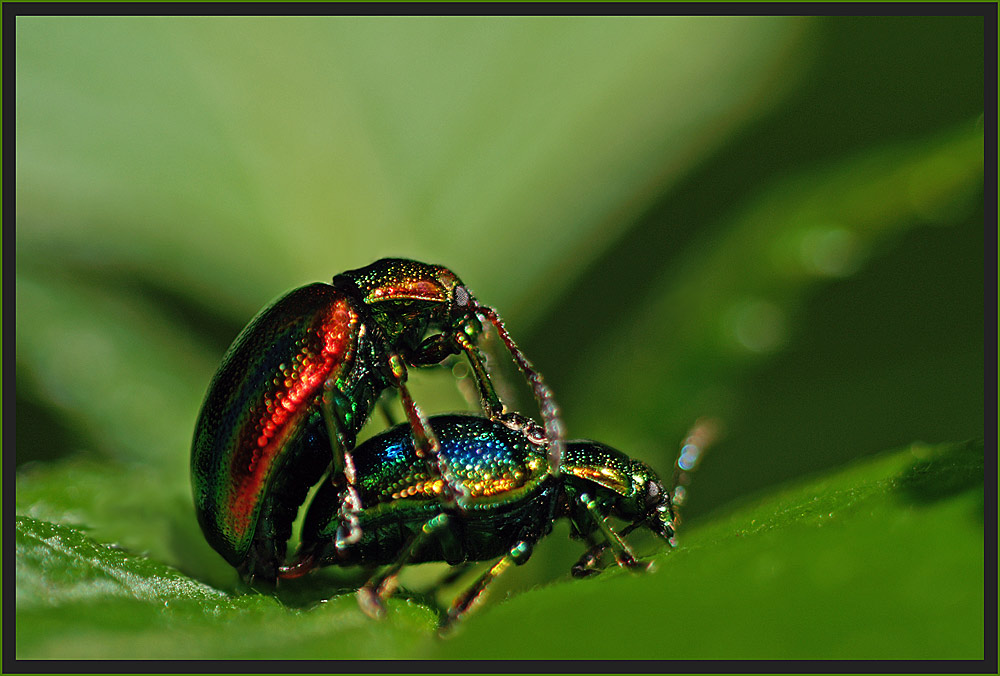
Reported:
(372, 595)
(475, 594)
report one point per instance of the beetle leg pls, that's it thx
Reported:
(372, 595)
(623, 553)
(433, 350)
(298, 568)
(349, 530)
(589, 563)
(554, 428)
(492, 406)
(424, 440)
(517, 555)
(438, 347)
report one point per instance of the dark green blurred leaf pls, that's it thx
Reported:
(735, 296)
(114, 366)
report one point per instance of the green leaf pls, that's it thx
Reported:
(883, 559)
(60, 565)
(82, 599)
(130, 505)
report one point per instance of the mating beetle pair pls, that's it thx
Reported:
(301, 380)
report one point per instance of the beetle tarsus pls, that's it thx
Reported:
(371, 603)
(302, 565)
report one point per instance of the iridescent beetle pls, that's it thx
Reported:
(513, 499)
(300, 381)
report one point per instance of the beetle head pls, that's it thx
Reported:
(409, 298)
(628, 489)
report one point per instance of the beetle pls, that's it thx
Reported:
(302, 378)
(514, 499)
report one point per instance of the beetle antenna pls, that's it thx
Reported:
(554, 429)
(704, 433)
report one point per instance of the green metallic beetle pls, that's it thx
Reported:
(512, 501)
(300, 381)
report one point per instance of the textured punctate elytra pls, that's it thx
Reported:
(511, 501)
(301, 380)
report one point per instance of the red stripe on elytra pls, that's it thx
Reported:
(291, 402)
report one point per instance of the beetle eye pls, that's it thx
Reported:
(462, 296)
(653, 494)
(536, 435)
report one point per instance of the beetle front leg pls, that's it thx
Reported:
(492, 406)
(551, 417)
(439, 347)
(425, 442)
(623, 553)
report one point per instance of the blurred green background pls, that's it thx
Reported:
(773, 222)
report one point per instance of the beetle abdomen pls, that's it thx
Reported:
(502, 472)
